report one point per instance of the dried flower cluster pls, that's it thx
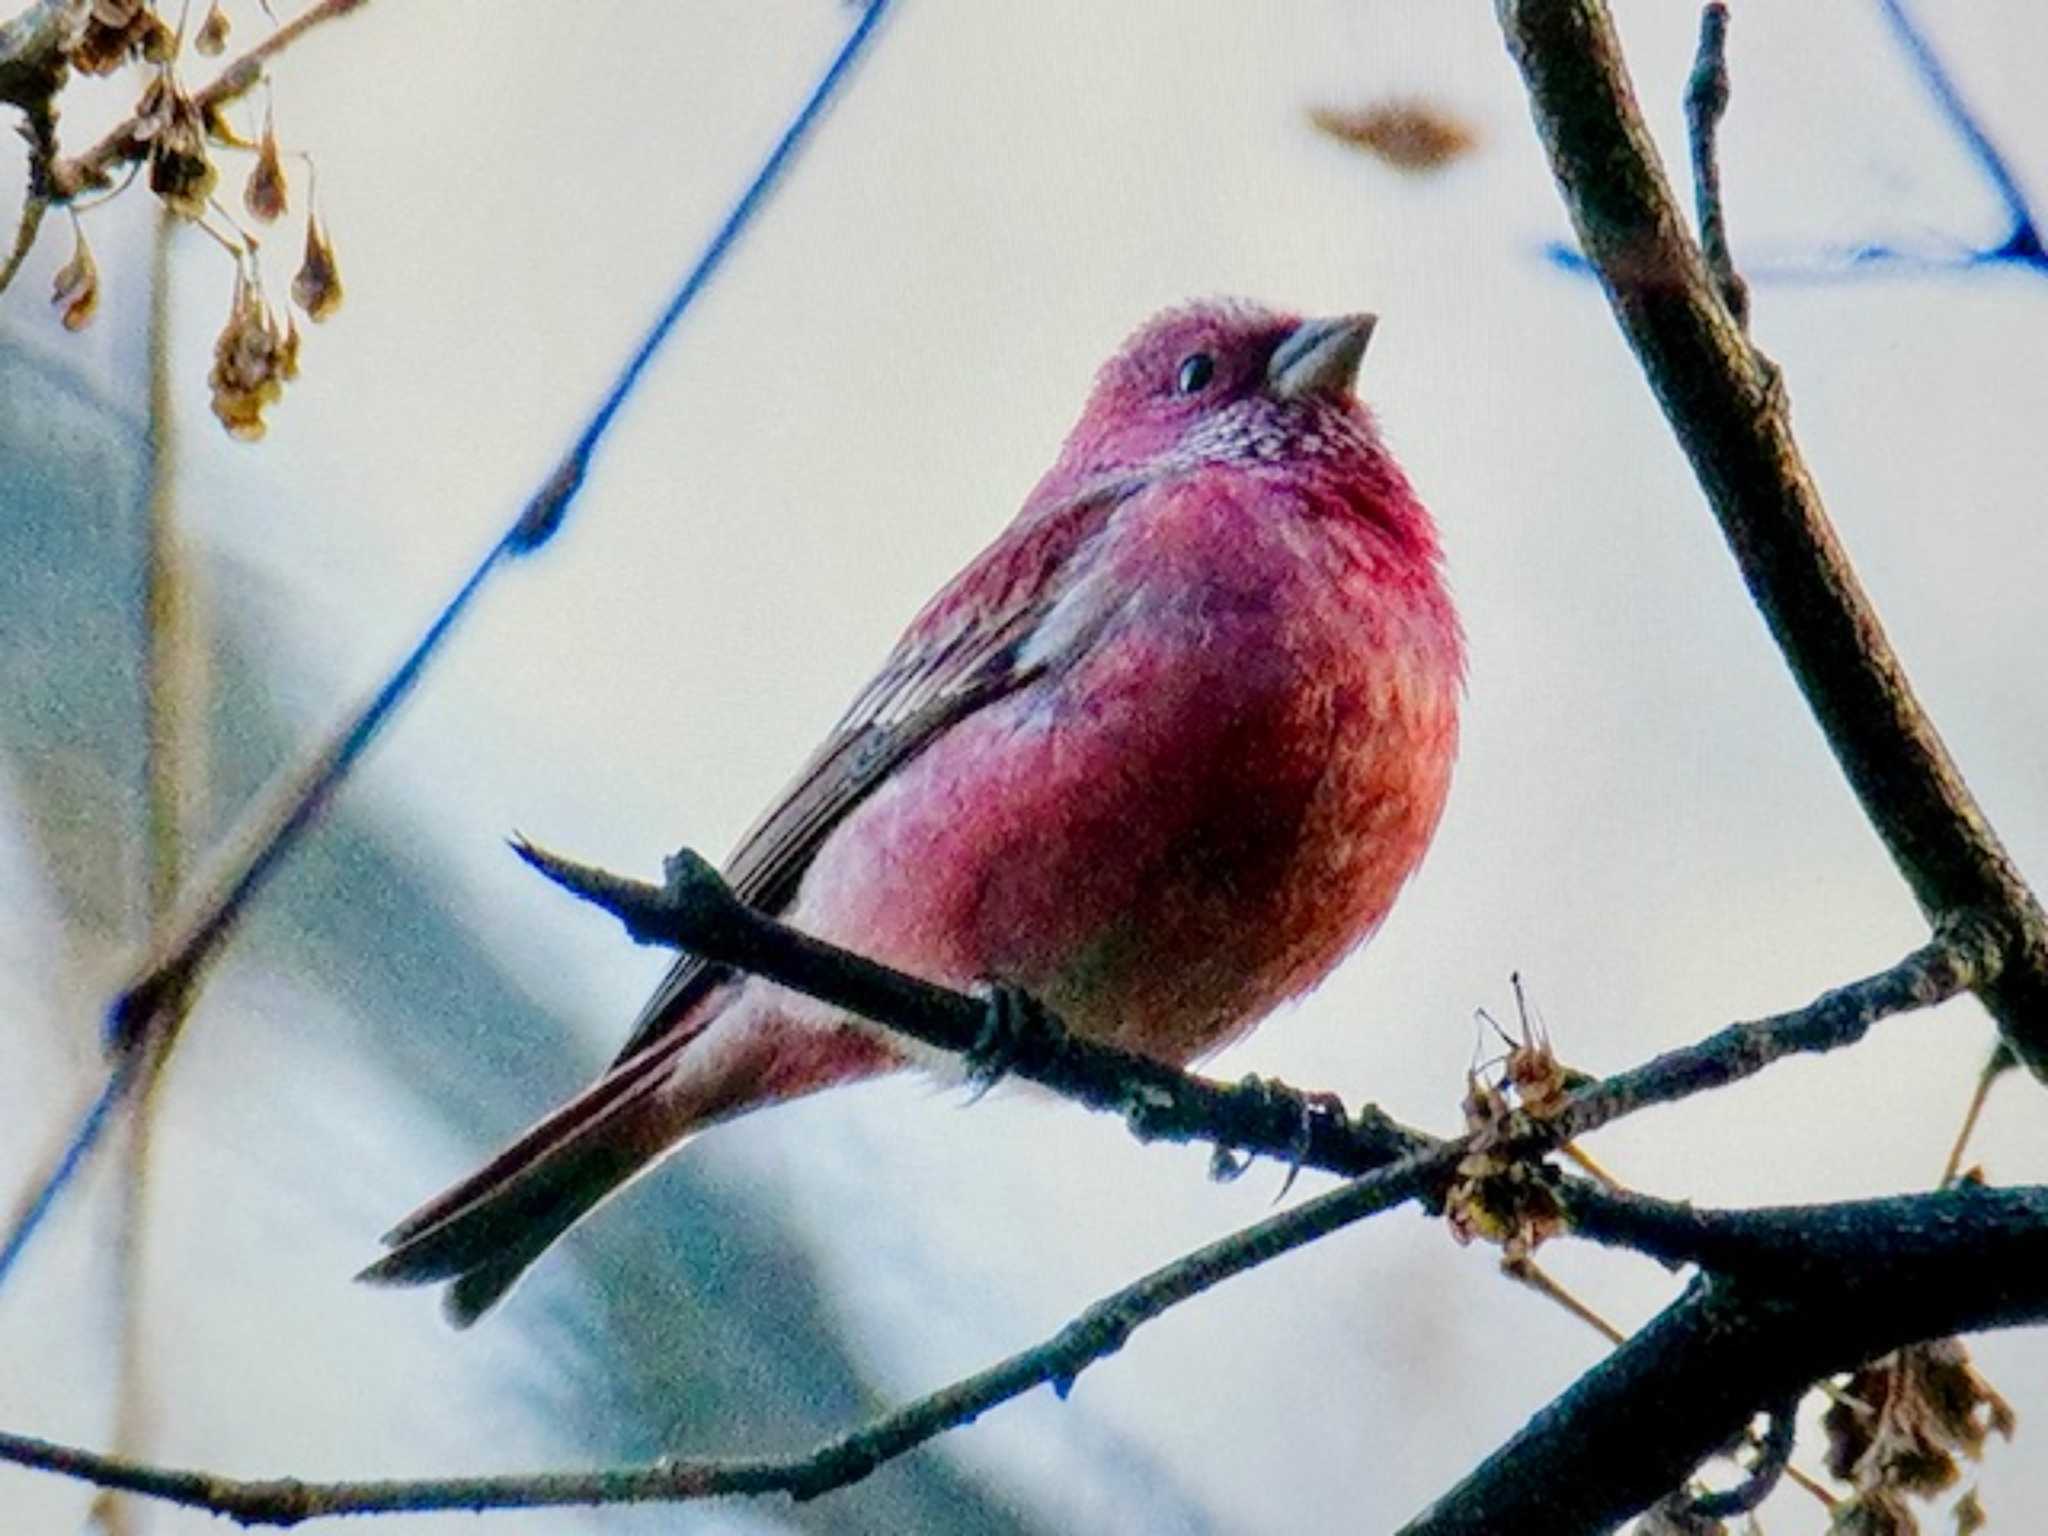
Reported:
(116, 31)
(177, 134)
(1499, 1198)
(254, 357)
(1896, 1432)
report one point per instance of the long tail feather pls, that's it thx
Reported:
(485, 1231)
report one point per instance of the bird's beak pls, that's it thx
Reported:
(1321, 357)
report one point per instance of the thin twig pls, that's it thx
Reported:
(697, 897)
(1728, 412)
(2023, 241)
(1706, 100)
(696, 910)
(1527, 1272)
(33, 207)
(2001, 1062)
(1773, 1460)
(174, 670)
(73, 174)
(80, 1129)
(1094, 1335)
(1945, 967)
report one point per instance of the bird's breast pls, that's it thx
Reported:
(1232, 761)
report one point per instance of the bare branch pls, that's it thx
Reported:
(698, 911)
(1912, 1271)
(1822, 1289)
(1097, 1333)
(697, 898)
(1773, 1460)
(73, 174)
(1729, 414)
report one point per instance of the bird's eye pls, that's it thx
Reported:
(1196, 370)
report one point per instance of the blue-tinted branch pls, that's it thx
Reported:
(2023, 240)
(2019, 246)
(209, 910)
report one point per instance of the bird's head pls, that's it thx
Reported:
(1223, 381)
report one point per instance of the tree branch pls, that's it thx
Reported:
(72, 174)
(1723, 403)
(1706, 100)
(696, 901)
(696, 910)
(1819, 1290)
(1097, 1333)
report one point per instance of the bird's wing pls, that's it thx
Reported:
(964, 651)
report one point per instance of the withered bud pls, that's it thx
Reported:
(212, 36)
(251, 360)
(264, 192)
(76, 291)
(179, 170)
(316, 286)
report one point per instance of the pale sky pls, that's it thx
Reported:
(1645, 823)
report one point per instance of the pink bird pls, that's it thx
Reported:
(1161, 756)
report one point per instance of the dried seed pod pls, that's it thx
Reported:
(76, 291)
(252, 358)
(180, 171)
(113, 31)
(153, 108)
(264, 193)
(316, 287)
(157, 44)
(212, 36)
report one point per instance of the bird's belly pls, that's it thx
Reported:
(1161, 849)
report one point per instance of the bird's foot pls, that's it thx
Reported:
(1011, 1019)
(1305, 1109)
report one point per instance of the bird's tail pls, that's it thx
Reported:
(482, 1233)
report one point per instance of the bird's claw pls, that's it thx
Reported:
(1008, 1018)
(1305, 1107)
(1226, 1165)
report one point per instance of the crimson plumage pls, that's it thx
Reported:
(1161, 755)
